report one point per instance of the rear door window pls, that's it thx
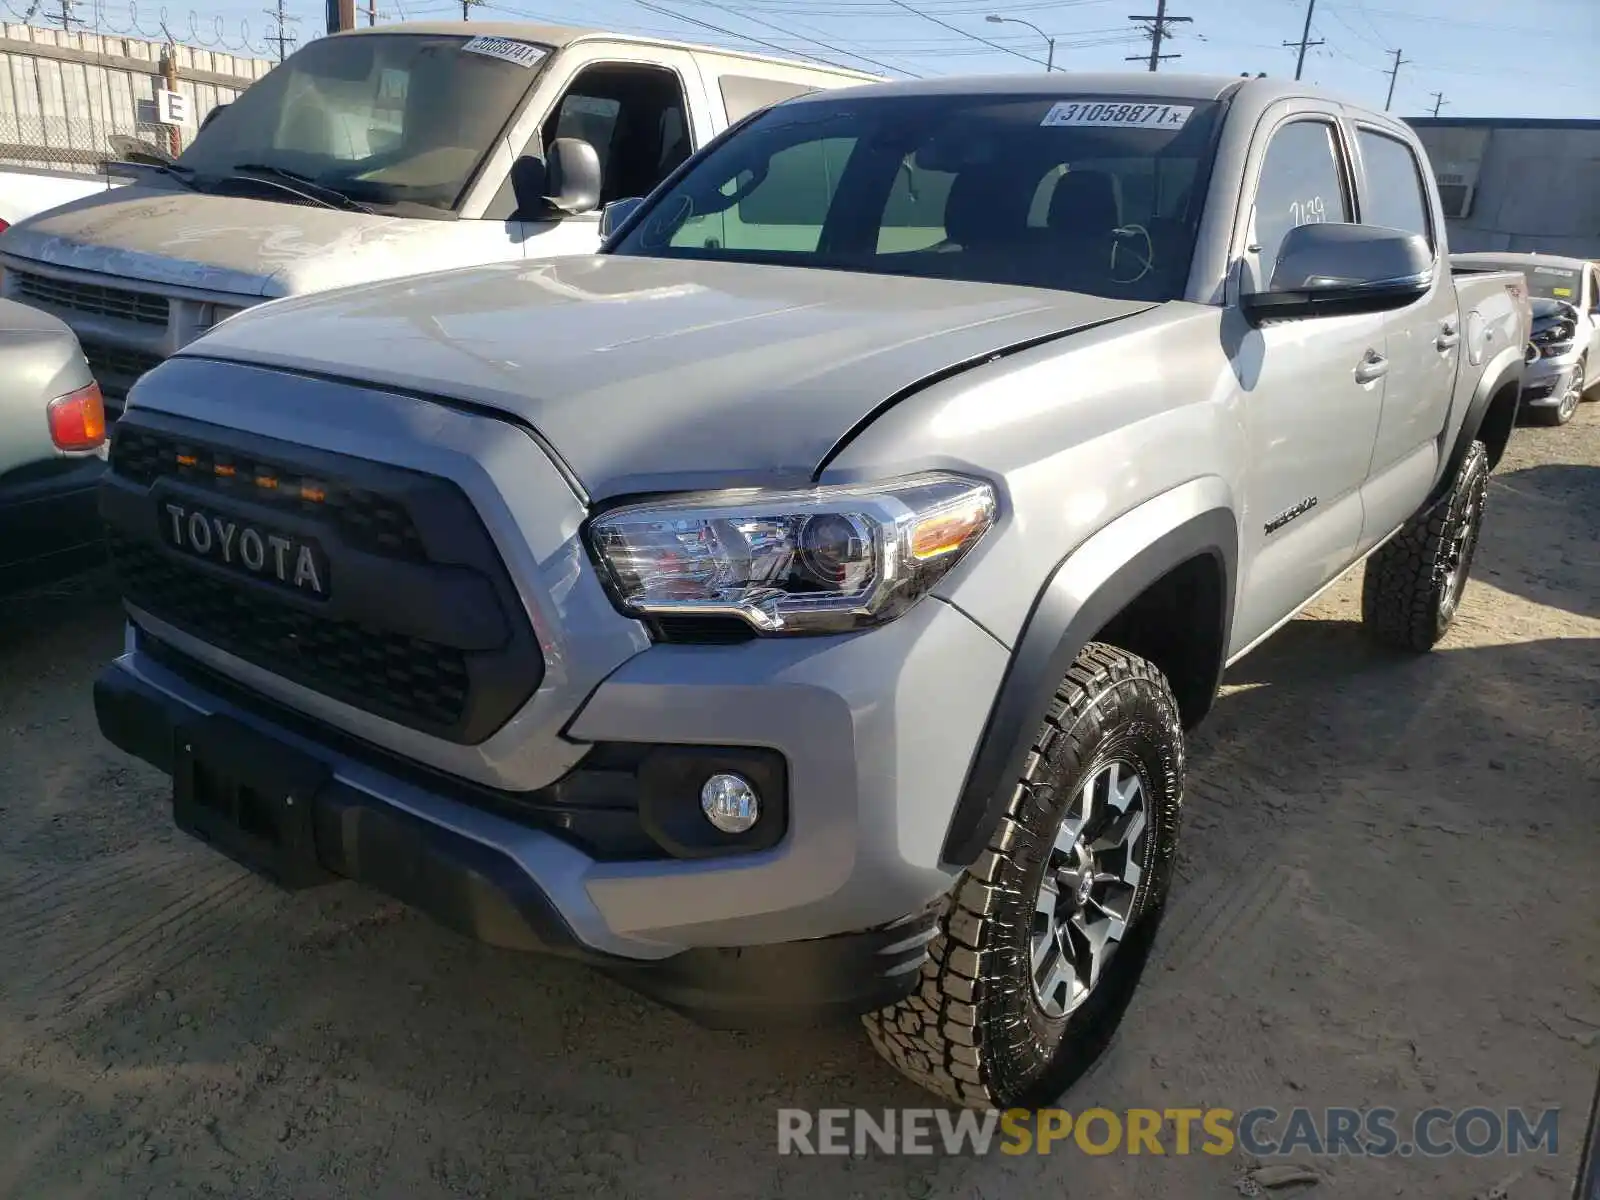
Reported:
(1394, 196)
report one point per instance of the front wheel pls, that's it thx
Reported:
(1567, 408)
(1043, 940)
(1414, 582)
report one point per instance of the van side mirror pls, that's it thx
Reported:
(1328, 269)
(566, 179)
(212, 116)
(615, 213)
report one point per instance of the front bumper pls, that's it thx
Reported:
(877, 731)
(1545, 382)
(50, 527)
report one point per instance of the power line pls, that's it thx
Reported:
(964, 33)
(801, 37)
(1394, 73)
(1305, 40)
(759, 41)
(1158, 31)
(283, 37)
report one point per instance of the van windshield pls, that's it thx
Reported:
(381, 118)
(1083, 193)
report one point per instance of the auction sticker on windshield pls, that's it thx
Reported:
(1103, 114)
(521, 53)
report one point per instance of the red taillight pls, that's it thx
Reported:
(78, 419)
(4, 224)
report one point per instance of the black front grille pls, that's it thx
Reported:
(420, 624)
(368, 521)
(339, 658)
(94, 298)
(116, 368)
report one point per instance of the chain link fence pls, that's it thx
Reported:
(76, 144)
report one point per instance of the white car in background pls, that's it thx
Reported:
(1566, 368)
(26, 191)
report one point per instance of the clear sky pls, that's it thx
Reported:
(1487, 57)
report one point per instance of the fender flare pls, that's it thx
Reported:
(1504, 369)
(1084, 592)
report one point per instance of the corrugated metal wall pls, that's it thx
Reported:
(63, 94)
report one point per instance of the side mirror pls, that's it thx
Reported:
(615, 213)
(573, 176)
(212, 116)
(1328, 269)
(566, 179)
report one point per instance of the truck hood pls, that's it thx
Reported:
(237, 245)
(648, 374)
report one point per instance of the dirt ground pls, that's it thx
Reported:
(1389, 894)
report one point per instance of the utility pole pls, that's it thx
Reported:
(1394, 73)
(65, 15)
(283, 37)
(1158, 31)
(1438, 102)
(1305, 40)
(169, 80)
(372, 12)
(466, 8)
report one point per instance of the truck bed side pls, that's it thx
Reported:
(1494, 321)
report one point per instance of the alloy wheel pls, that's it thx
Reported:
(1090, 886)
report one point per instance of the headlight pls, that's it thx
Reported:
(813, 560)
(1556, 349)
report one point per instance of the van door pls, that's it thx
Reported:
(644, 110)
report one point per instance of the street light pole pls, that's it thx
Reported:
(1050, 56)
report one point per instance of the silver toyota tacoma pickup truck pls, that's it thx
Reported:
(797, 607)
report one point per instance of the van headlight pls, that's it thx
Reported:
(813, 560)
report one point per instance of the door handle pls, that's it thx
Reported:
(1373, 366)
(1449, 335)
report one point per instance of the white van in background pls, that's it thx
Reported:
(381, 152)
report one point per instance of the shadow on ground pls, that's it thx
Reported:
(1382, 900)
(1555, 557)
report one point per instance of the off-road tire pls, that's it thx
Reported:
(974, 1031)
(1413, 585)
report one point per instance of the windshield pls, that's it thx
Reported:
(1089, 194)
(381, 118)
(1549, 283)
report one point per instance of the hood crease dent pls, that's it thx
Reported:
(657, 374)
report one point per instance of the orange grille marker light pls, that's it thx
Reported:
(312, 493)
(186, 460)
(224, 470)
(266, 481)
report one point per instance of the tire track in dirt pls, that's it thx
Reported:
(92, 932)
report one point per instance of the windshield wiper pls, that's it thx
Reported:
(298, 184)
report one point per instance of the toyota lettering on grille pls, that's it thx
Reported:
(251, 550)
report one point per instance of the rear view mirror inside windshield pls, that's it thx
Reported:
(352, 65)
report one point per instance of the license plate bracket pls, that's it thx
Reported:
(251, 797)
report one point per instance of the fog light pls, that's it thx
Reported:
(730, 803)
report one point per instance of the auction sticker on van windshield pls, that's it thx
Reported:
(522, 53)
(1115, 114)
